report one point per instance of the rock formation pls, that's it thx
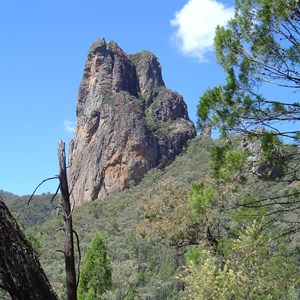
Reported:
(260, 166)
(128, 122)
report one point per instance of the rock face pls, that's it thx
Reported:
(128, 122)
(260, 166)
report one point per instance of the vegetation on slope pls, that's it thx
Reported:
(140, 267)
(183, 218)
(39, 210)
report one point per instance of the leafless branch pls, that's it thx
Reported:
(50, 178)
(55, 194)
(79, 257)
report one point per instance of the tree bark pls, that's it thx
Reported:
(68, 227)
(20, 271)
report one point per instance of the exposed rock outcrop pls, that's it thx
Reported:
(128, 122)
(267, 168)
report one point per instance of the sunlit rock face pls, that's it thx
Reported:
(128, 122)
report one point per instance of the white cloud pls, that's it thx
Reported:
(69, 126)
(195, 26)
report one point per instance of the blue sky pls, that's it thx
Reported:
(43, 50)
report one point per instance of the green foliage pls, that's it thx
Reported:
(117, 217)
(273, 155)
(193, 255)
(144, 267)
(254, 266)
(141, 97)
(239, 257)
(260, 45)
(249, 210)
(208, 100)
(218, 154)
(270, 144)
(201, 198)
(40, 208)
(96, 276)
(228, 164)
(136, 58)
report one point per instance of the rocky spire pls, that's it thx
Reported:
(128, 122)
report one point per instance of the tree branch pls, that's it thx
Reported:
(79, 257)
(50, 178)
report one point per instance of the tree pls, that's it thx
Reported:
(254, 267)
(96, 274)
(20, 271)
(68, 225)
(240, 258)
(167, 216)
(259, 46)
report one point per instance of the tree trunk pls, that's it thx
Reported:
(20, 271)
(68, 227)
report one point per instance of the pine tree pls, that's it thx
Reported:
(96, 274)
(259, 47)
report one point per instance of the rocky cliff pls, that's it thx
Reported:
(128, 122)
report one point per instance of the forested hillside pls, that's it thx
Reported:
(140, 267)
(185, 215)
(37, 212)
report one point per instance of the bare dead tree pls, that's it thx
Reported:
(20, 271)
(68, 226)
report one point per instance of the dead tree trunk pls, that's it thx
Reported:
(20, 271)
(68, 227)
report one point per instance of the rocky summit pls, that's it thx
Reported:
(128, 122)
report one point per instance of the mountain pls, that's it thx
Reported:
(128, 122)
